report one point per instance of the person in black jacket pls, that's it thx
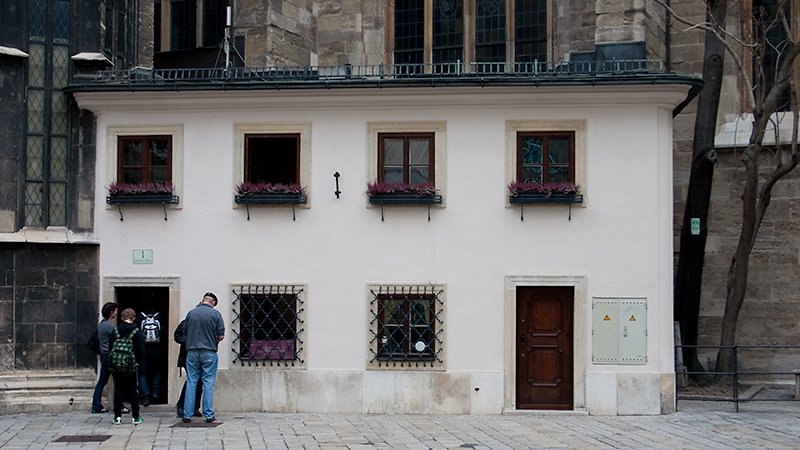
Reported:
(125, 384)
(180, 337)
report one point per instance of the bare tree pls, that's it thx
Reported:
(764, 91)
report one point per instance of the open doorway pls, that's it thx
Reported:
(151, 304)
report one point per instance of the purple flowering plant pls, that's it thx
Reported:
(262, 187)
(530, 187)
(141, 188)
(381, 187)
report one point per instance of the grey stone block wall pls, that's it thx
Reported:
(48, 306)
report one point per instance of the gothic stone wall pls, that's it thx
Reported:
(771, 311)
(48, 306)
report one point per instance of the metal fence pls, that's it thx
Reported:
(534, 69)
(740, 378)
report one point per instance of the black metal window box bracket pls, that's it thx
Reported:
(545, 198)
(407, 199)
(152, 199)
(271, 199)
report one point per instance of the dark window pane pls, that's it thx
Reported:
(530, 31)
(409, 31)
(420, 153)
(159, 174)
(61, 21)
(159, 153)
(133, 176)
(393, 151)
(184, 24)
(557, 174)
(393, 174)
(532, 174)
(37, 25)
(448, 30)
(132, 153)
(157, 26)
(419, 175)
(214, 15)
(490, 30)
(273, 159)
(558, 151)
(532, 151)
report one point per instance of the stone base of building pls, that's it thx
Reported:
(54, 392)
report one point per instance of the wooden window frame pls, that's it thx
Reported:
(406, 154)
(247, 137)
(145, 155)
(407, 349)
(521, 135)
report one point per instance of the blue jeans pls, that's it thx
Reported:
(201, 366)
(102, 380)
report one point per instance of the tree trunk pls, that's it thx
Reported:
(689, 274)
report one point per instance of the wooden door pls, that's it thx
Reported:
(544, 347)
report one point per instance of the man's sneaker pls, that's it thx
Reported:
(100, 411)
(125, 410)
(117, 421)
(146, 401)
(137, 420)
(210, 419)
(185, 419)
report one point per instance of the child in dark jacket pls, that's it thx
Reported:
(125, 384)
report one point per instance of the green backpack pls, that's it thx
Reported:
(121, 357)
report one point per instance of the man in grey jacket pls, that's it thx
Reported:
(104, 331)
(204, 331)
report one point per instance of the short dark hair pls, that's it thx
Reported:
(128, 314)
(211, 294)
(108, 308)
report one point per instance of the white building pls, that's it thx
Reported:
(488, 291)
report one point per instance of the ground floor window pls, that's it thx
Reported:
(407, 326)
(267, 324)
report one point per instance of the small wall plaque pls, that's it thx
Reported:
(143, 256)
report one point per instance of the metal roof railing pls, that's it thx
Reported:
(455, 70)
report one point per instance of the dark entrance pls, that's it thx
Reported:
(151, 300)
(544, 347)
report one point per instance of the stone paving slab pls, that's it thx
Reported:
(697, 425)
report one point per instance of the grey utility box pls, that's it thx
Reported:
(619, 331)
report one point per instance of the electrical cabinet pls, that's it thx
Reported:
(619, 331)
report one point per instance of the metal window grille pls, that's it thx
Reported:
(407, 326)
(267, 325)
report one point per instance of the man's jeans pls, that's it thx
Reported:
(201, 367)
(102, 380)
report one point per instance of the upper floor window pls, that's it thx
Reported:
(176, 23)
(273, 158)
(406, 158)
(773, 40)
(144, 159)
(452, 39)
(546, 157)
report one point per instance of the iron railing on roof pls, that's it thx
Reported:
(533, 69)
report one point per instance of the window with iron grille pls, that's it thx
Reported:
(407, 327)
(267, 325)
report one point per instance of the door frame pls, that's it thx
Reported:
(174, 284)
(580, 324)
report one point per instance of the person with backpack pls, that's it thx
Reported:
(127, 350)
(150, 367)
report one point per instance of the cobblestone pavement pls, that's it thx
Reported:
(695, 426)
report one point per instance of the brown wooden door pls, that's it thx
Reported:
(544, 347)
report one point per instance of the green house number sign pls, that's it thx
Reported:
(143, 256)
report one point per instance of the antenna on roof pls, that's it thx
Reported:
(228, 38)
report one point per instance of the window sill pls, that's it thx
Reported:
(544, 198)
(267, 199)
(385, 199)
